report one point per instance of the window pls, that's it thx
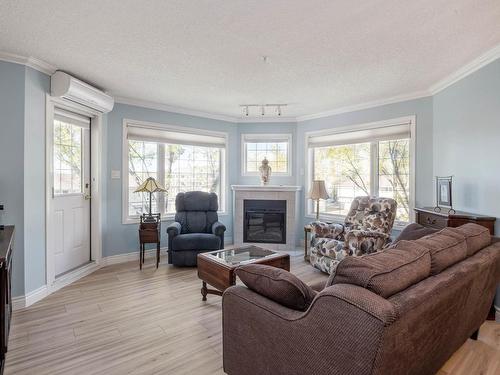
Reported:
(179, 161)
(69, 144)
(274, 147)
(374, 161)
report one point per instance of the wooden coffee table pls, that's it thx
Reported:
(217, 267)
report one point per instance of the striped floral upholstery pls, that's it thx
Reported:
(366, 229)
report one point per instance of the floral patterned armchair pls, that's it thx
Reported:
(366, 229)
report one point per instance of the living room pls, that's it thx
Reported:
(240, 187)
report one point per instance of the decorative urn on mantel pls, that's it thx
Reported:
(265, 172)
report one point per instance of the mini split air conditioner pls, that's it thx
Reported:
(64, 86)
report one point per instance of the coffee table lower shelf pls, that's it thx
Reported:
(221, 276)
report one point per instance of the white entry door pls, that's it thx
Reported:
(71, 191)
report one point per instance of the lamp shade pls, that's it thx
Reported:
(150, 185)
(318, 190)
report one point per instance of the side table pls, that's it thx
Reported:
(307, 229)
(149, 232)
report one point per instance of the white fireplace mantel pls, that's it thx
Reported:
(289, 193)
(265, 188)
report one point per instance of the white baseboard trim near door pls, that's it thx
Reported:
(26, 300)
(73, 276)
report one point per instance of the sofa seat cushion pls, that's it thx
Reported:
(477, 237)
(195, 241)
(277, 284)
(414, 231)
(447, 247)
(386, 272)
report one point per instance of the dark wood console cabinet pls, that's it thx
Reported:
(427, 217)
(6, 245)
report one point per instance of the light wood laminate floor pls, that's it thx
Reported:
(120, 320)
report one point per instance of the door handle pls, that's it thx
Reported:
(87, 197)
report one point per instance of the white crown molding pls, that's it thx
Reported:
(466, 70)
(367, 105)
(30, 61)
(173, 109)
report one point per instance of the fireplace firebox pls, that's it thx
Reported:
(264, 221)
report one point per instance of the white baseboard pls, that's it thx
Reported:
(129, 257)
(29, 299)
(73, 276)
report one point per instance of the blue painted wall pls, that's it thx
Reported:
(36, 86)
(467, 134)
(467, 139)
(122, 238)
(22, 170)
(421, 108)
(12, 161)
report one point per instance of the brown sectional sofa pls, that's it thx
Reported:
(404, 310)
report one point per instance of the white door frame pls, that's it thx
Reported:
(96, 203)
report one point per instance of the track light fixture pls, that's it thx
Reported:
(275, 108)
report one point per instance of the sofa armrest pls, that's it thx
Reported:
(339, 333)
(359, 242)
(326, 230)
(218, 228)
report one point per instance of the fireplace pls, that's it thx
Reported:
(264, 221)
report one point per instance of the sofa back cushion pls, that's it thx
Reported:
(447, 247)
(476, 236)
(277, 284)
(385, 272)
(414, 231)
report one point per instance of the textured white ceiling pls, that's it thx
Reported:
(207, 54)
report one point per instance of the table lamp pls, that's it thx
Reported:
(317, 192)
(150, 186)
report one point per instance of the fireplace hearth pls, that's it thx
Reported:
(264, 221)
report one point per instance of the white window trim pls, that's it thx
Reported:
(223, 199)
(247, 137)
(411, 120)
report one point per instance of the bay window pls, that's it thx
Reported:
(179, 159)
(375, 159)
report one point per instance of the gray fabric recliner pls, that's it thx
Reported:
(196, 228)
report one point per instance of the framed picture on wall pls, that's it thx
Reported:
(444, 197)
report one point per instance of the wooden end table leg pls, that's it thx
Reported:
(204, 291)
(157, 254)
(305, 244)
(140, 256)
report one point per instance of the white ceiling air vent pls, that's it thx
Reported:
(65, 86)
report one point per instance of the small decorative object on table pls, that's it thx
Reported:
(444, 194)
(149, 232)
(265, 172)
(317, 192)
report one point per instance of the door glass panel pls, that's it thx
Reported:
(67, 158)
